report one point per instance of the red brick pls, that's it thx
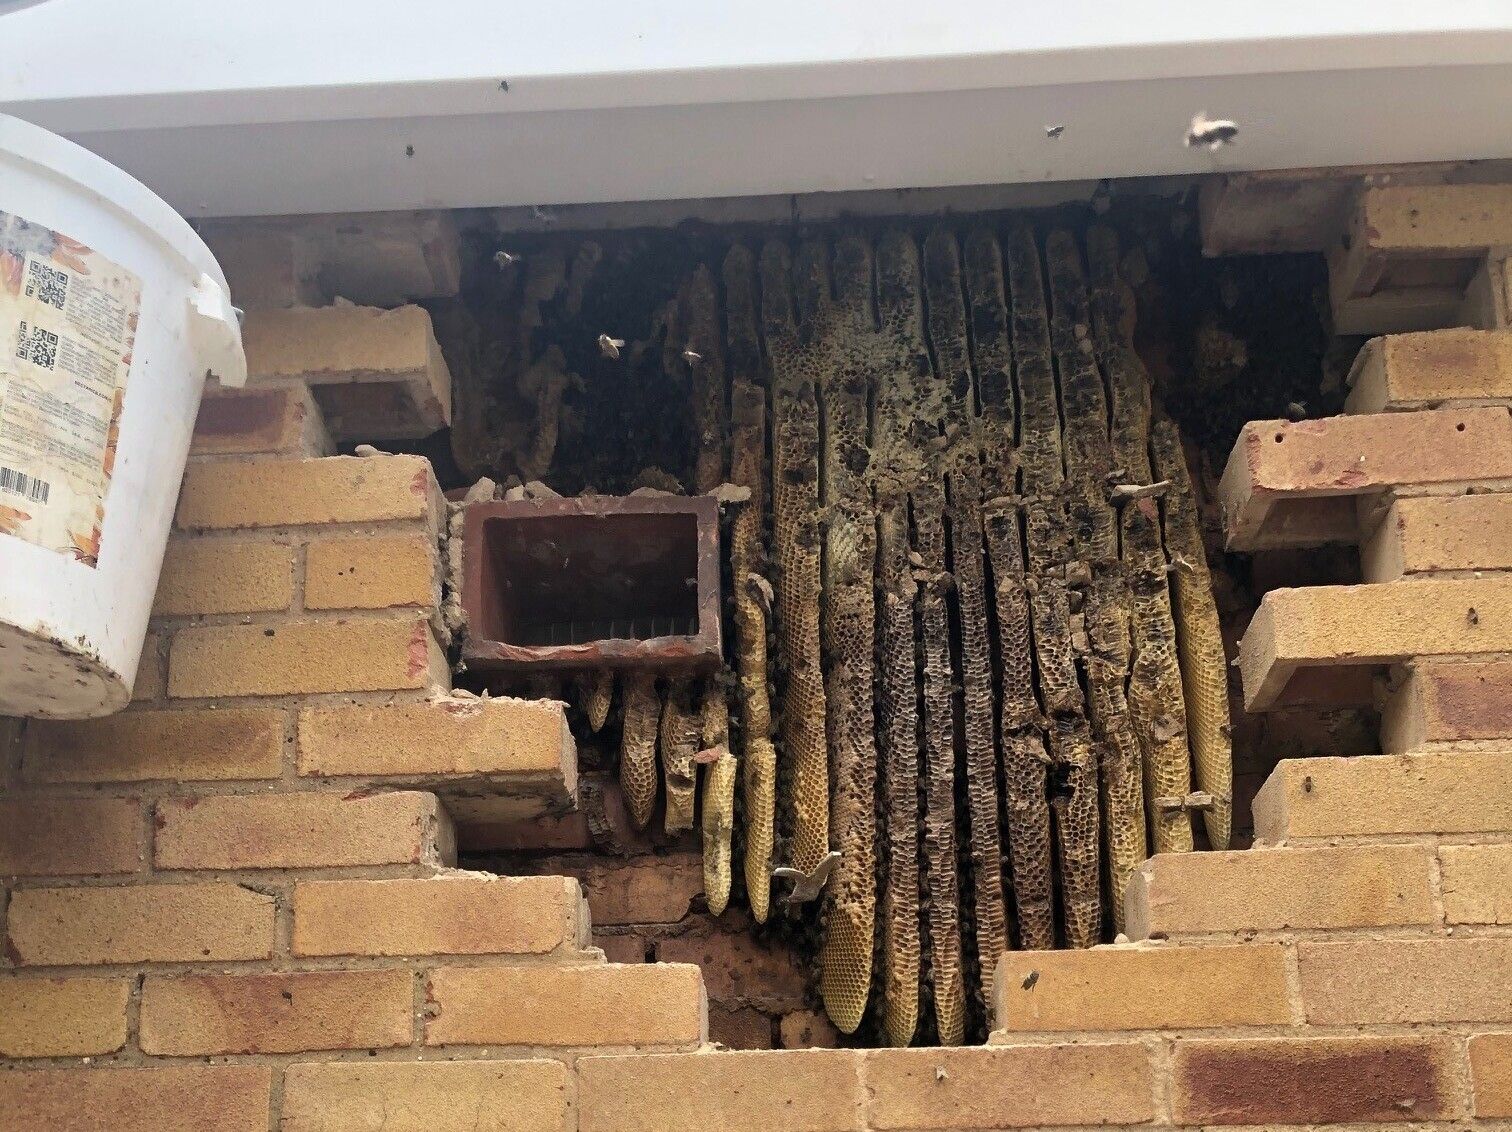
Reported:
(637, 890)
(741, 1028)
(1313, 1081)
(274, 420)
(276, 1013)
(738, 970)
(45, 836)
(227, 1098)
(1443, 702)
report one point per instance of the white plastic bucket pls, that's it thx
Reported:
(81, 243)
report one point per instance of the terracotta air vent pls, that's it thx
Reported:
(592, 582)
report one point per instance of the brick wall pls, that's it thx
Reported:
(233, 906)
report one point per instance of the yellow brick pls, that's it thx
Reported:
(372, 654)
(62, 1017)
(277, 1013)
(291, 831)
(446, 736)
(277, 421)
(138, 746)
(769, 1091)
(1491, 1068)
(479, 914)
(1365, 886)
(1375, 795)
(227, 1098)
(1142, 988)
(1448, 701)
(465, 1096)
(224, 576)
(139, 924)
(371, 572)
(1458, 532)
(1425, 369)
(338, 489)
(1408, 981)
(46, 836)
(648, 1004)
(1007, 1087)
(1427, 218)
(150, 683)
(1323, 626)
(1477, 883)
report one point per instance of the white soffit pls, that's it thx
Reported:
(305, 106)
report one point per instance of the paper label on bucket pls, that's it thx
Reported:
(68, 320)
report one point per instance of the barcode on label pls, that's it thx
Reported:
(38, 346)
(46, 284)
(28, 487)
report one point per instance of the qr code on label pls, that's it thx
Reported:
(46, 284)
(38, 346)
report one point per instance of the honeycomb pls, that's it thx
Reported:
(947, 330)
(1204, 668)
(849, 617)
(993, 635)
(797, 366)
(678, 743)
(748, 470)
(637, 769)
(900, 315)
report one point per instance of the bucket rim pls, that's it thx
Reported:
(122, 192)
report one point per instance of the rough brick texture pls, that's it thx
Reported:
(276, 1013)
(371, 572)
(1429, 218)
(809, 1091)
(472, 1096)
(71, 836)
(1448, 702)
(228, 495)
(1324, 626)
(1277, 464)
(1459, 532)
(659, 1004)
(446, 915)
(455, 737)
(1178, 894)
(42, 1017)
(228, 1098)
(304, 830)
(140, 746)
(279, 421)
(139, 924)
(1406, 981)
(1376, 795)
(1312, 1081)
(369, 654)
(1007, 1087)
(1141, 988)
(1424, 370)
(1477, 883)
(1491, 1069)
(377, 374)
(202, 576)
